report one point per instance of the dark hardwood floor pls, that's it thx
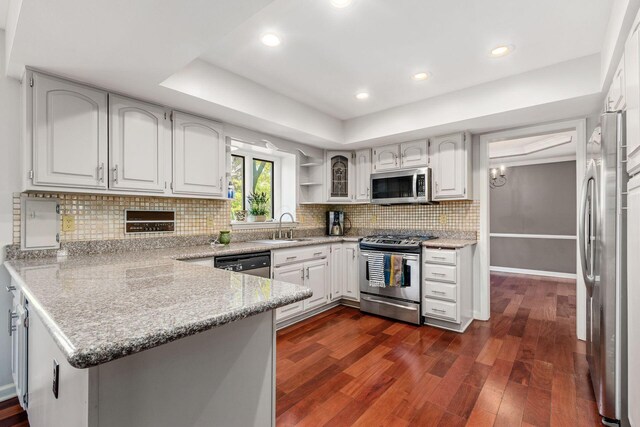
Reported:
(12, 415)
(523, 367)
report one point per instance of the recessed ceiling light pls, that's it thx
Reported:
(362, 95)
(499, 51)
(270, 39)
(340, 3)
(420, 76)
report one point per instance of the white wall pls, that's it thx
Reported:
(9, 183)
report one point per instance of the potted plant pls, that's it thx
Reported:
(258, 206)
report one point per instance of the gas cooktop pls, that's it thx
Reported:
(396, 240)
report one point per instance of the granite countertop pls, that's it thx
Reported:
(102, 307)
(449, 243)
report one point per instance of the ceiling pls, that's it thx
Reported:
(205, 57)
(329, 54)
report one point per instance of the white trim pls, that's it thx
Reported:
(7, 392)
(507, 163)
(533, 272)
(534, 236)
(483, 308)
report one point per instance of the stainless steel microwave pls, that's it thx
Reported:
(403, 186)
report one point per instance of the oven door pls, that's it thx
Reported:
(412, 273)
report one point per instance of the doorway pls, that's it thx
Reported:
(507, 147)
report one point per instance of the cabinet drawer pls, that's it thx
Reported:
(440, 309)
(289, 310)
(288, 256)
(440, 256)
(444, 291)
(441, 273)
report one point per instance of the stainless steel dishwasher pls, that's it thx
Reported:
(256, 264)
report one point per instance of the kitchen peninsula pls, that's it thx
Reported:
(142, 338)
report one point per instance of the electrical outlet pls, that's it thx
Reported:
(374, 219)
(443, 219)
(209, 221)
(68, 223)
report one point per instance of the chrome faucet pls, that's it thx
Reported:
(280, 225)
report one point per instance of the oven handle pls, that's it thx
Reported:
(390, 303)
(415, 185)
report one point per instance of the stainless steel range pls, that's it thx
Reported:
(397, 302)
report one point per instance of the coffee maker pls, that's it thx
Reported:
(335, 223)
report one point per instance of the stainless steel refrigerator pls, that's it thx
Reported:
(603, 256)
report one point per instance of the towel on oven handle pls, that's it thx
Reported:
(386, 270)
(375, 265)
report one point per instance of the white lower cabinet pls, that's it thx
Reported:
(18, 331)
(337, 271)
(447, 287)
(351, 274)
(308, 266)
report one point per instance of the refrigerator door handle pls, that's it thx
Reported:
(587, 263)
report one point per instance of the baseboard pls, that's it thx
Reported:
(533, 272)
(7, 392)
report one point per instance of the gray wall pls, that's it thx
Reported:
(537, 199)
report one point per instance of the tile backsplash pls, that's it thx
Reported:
(448, 216)
(101, 217)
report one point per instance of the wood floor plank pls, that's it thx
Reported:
(524, 366)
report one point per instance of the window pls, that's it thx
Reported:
(256, 169)
(237, 180)
(262, 174)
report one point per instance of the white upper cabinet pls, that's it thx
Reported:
(414, 154)
(632, 98)
(451, 162)
(198, 156)
(139, 144)
(363, 175)
(340, 176)
(616, 96)
(386, 158)
(69, 134)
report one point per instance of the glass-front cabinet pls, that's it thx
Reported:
(340, 176)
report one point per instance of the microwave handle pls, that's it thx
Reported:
(415, 186)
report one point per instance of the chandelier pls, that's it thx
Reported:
(498, 177)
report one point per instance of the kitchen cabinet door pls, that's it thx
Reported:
(337, 271)
(451, 162)
(290, 274)
(69, 134)
(340, 176)
(363, 175)
(198, 156)
(414, 154)
(616, 95)
(316, 278)
(633, 296)
(632, 95)
(386, 158)
(139, 144)
(351, 272)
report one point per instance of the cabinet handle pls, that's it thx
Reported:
(317, 253)
(438, 310)
(10, 328)
(353, 254)
(291, 257)
(10, 288)
(368, 189)
(438, 274)
(437, 257)
(437, 187)
(220, 183)
(438, 292)
(307, 272)
(101, 172)
(115, 174)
